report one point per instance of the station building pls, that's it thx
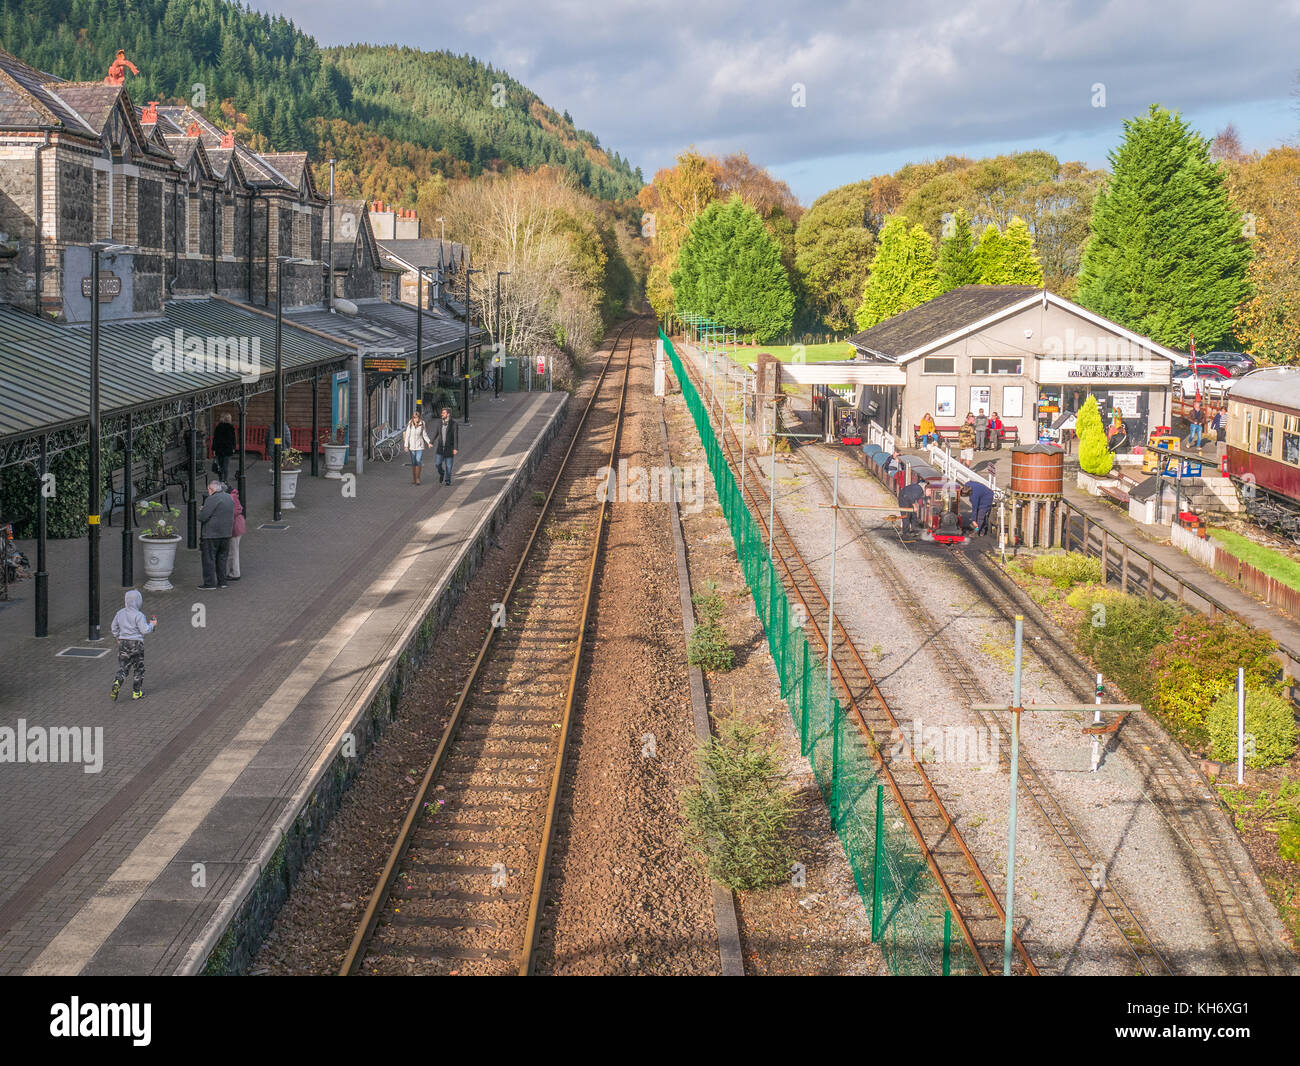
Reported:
(1023, 352)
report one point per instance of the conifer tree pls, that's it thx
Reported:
(902, 276)
(1020, 265)
(990, 255)
(958, 262)
(1167, 256)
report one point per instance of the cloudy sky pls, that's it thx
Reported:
(829, 92)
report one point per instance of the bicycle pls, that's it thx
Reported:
(383, 442)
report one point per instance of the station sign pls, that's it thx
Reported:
(541, 364)
(110, 286)
(385, 364)
(1071, 372)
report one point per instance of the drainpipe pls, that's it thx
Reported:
(252, 206)
(329, 259)
(266, 276)
(39, 248)
(214, 240)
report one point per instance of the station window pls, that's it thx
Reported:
(939, 365)
(1291, 448)
(1264, 440)
(986, 365)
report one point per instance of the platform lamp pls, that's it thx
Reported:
(464, 385)
(496, 370)
(94, 497)
(281, 261)
(419, 337)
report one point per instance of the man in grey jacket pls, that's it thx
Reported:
(217, 521)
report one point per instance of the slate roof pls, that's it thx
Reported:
(423, 251)
(895, 337)
(29, 99)
(290, 164)
(92, 100)
(385, 324)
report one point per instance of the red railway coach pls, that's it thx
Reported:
(1263, 445)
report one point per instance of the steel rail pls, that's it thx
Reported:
(379, 897)
(993, 942)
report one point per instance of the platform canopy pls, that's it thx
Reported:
(848, 373)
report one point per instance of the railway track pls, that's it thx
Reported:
(1092, 876)
(462, 887)
(969, 895)
(1167, 783)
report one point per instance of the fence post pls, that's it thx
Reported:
(804, 699)
(1123, 570)
(877, 889)
(1151, 578)
(835, 764)
(1105, 549)
(947, 943)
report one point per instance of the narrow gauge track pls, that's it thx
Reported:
(970, 897)
(1092, 879)
(462, 886)
(1167, 783)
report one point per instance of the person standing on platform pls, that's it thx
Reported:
(130, 627)
(981, 430)
(966, 439)
(237, 529)
(224, 444)
(1196, 425)
(217, 521)
(415, 439)
(446, 449)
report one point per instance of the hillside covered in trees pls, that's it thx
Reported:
(395, 116)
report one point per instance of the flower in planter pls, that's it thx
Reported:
(291, 459)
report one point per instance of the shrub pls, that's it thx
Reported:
(1068, 568)
(1199, 663)
(707, 647)
(1288, 839)
(738, 816)
(1094, 454)
(1089, 416)
(1119, 634)
(1270, 722)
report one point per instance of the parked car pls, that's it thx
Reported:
(1212, 380)
(1236, 363)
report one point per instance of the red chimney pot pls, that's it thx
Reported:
(150, 114)
(227, 140)
(193, 131)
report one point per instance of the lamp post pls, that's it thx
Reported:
(419, 338)
(93, 495)
(281, 261)
(496, 371)
(464, 385)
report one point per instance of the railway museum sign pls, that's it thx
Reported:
(1136, 372)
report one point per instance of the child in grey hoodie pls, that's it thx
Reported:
(130, 627)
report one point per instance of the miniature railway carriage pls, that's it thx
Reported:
(1263, 447)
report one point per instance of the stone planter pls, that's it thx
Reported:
(1093, 485)
(335, 456)
(159, 561)
(288, 488)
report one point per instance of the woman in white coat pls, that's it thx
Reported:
(415, 439)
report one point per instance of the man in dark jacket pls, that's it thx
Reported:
(444, 446)
(981, 504)
(217, 522)
(911, 498)
(223, 445)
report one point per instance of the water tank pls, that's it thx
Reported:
(1037, 470)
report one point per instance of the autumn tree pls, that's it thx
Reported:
(1267, 189)
(833, 248)
(1167, 257)
(671, 202)
(902, 275)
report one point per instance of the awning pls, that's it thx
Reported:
(843, 374)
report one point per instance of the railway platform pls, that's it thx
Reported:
(142, 854)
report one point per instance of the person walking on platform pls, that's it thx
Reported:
(446, 449)
(217, 521)
(981, 430)
(130, 628)
(1196, 425)
(238, 528)
(966, 439)
(415, 439)
(224, 444)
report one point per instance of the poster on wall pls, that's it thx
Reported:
(1013, 401)
(945, 400)
(981, 399)
(1125, 402)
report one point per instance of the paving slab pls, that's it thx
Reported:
(247, 691)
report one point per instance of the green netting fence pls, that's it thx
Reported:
(910, 920)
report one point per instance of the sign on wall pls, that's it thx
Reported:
(1074, 372)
